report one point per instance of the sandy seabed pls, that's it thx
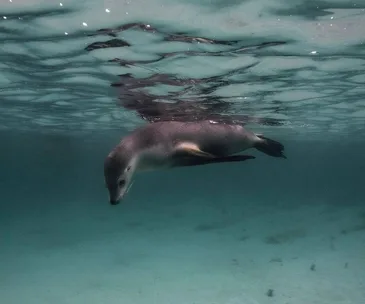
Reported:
(188, 253)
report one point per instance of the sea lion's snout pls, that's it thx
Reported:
(114, 202)
(118, 188)
(116, 195)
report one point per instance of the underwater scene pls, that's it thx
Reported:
(182, 152)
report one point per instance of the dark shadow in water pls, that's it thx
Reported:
(214, 5)
(149, 108)
(107, 44)
(132, 93)
(312, 9)
(41, 13)
(285, 237)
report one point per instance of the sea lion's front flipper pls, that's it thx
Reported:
(192, 149)
(198, 161)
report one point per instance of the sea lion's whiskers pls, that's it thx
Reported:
(129, 187)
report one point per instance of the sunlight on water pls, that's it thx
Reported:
(299, 62)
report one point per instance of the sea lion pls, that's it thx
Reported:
(170, 144)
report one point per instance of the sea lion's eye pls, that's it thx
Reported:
(128, 168)
(121, 183)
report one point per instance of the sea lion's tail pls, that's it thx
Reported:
(270, 147)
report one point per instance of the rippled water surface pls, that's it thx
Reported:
(70, 65)
(77, 75)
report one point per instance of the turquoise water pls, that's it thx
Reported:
(76, 77)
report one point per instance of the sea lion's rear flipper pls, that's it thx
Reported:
(198, 161)
(192, 149)
(270, 147)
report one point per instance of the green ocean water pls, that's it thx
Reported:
(72, 79)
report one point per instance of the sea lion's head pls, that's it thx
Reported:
(119, 168)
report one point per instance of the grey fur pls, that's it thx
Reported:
(155, 146)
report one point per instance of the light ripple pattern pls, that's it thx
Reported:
(63, 64)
